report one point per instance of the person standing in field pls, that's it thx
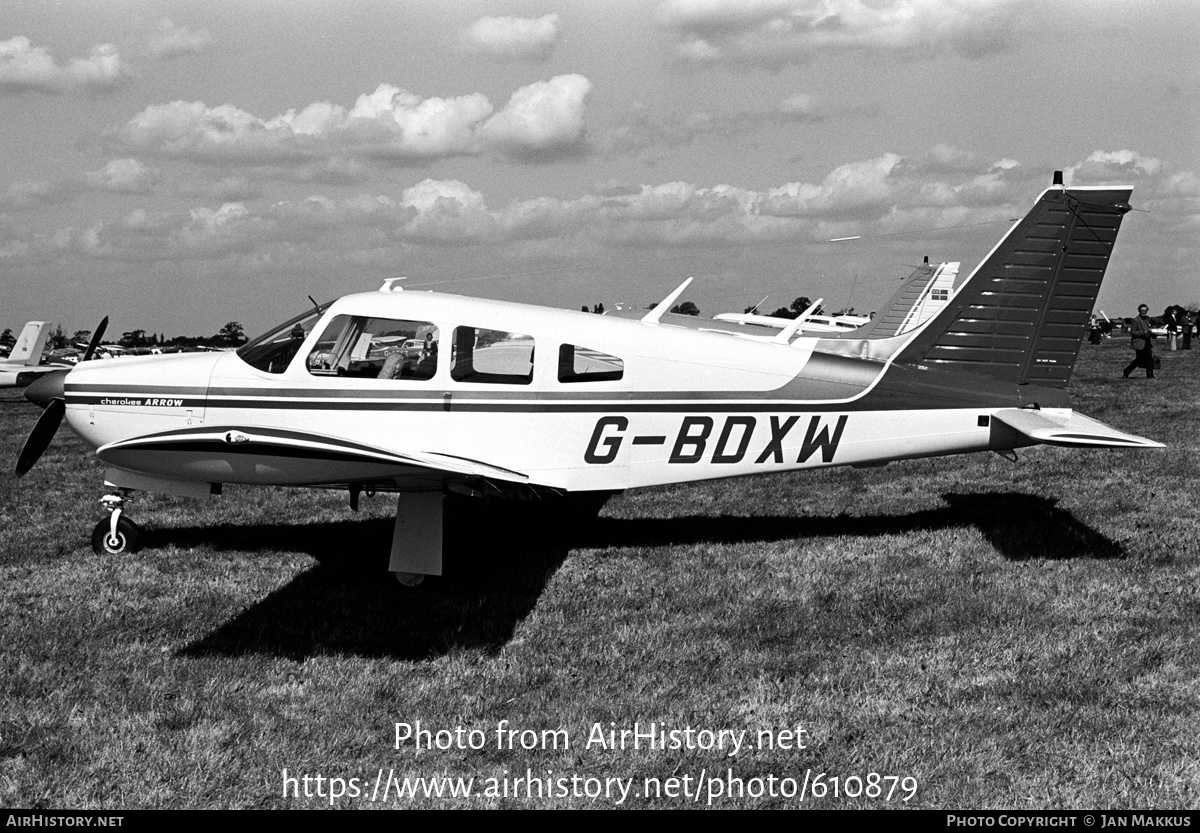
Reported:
(1140, 340)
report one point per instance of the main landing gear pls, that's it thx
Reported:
(417, 537)
(117, 534)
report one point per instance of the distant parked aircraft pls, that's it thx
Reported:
(24, 364)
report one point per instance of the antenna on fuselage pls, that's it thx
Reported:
(791, 329)
(390, 285)
(653, 315)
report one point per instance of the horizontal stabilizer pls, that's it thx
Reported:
(1075, 430)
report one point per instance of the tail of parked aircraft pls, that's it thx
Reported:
(1021, 315)
(30, 344)
(919, 298)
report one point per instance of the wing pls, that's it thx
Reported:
(298, 451)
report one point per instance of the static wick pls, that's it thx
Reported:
(840, 239)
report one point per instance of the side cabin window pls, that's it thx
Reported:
(582, 364)
(375, 348)
(492, 357)
(273, 351)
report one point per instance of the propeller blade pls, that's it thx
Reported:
(41, 435)
(95, 342)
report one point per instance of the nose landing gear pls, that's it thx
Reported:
(117, 535)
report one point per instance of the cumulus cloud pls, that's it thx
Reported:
(447, 211)
(947, 158)
(123, 176)
(213, 220)
(441, 220)
(235, 188)
(14, 251)
(1117, 167)
(171, 41)
(641, 130)
(778, 32)
(541, 120)
(31, 193)
(544, 116)
(644, 132)
(513, 38)
(801, 107)
(334, 170)
(141, 219)
(26, 68)
(1182, 184)
(848, 189)
(393, 122)
(127, 176)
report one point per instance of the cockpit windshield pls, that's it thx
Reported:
(273, 351)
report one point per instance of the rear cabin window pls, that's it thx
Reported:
(492, 357)
(583, 364)
(375, 348)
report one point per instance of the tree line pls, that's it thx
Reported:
(231, 335)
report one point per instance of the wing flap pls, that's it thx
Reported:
(1074, 430)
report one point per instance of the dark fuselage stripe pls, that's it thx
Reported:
(255, 395)
(621, 405)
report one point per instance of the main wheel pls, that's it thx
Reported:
(409, 579)
(128, 540)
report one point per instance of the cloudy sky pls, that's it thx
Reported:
(178, 165)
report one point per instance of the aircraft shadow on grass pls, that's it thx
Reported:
(347, 604)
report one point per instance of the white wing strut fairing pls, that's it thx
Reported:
(423, 393)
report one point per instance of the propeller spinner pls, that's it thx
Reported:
(48, 392)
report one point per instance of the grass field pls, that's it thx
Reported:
(1005, 635)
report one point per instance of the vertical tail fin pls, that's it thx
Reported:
(1020, 316)
(30, 344)
(918, 299)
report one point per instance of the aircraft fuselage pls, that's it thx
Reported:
(687, 406)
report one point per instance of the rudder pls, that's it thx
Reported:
(30, 344)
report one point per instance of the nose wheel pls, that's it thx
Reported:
(116, 535)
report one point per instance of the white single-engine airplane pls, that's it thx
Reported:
(24, 364)
(501, 399)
